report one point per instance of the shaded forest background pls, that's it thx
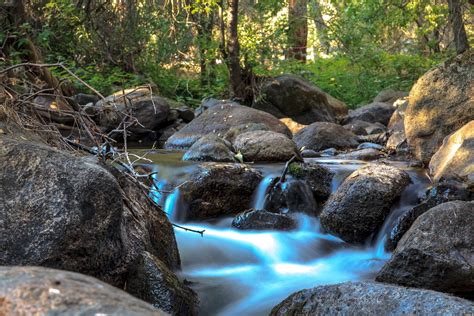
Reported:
(195, 49)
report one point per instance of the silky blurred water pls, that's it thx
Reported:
(248, 272)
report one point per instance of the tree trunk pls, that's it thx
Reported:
(237, 86)
(297, 29)
(456, 20)
(321, 26)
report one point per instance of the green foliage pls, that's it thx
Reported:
(107, 81)
(374, 44)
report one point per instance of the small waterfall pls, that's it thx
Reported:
(248, 272)
(174, 206)
(408, 199)
(258, 202)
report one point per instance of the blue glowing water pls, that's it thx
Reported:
(247, 273)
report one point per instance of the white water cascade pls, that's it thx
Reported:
(248, 272)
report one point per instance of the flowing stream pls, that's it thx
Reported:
(248, 272)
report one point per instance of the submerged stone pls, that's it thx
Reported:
(263, 220)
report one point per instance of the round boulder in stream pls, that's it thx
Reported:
(360, 205)
(265, 146)
(218, 189)
(263, 220)
(370, 298)
(322, 135)
(210, 148)
(437, 251)
(219, 120)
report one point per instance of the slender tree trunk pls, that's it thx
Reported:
(297, 29)
(237, 86)
(222, 42)
(455, 17)
(321, 26)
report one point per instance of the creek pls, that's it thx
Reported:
(238, 272)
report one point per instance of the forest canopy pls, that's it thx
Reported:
(194, 49)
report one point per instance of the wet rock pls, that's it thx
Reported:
(83, 99)
(265, 146)
(65, 212)
(439, 194)
(389, 96)
(293, 97)
(244, 128)
(370, 298)
(308, 184)
(374, 112)
(263, 220)
(360, 205)
(322, 135)
(455, 158)
(370, 145)
(366, 154)
(292, 125)
(219, 120)
(436, 252)
(218, 189)
(318, 177)
(42, 291)
(294, 196)
(151, 111)
(440, 102)
(151, 281)
(210, 148)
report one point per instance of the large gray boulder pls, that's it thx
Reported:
(454, 160)
(441, 102)
(66, 212)
(150, 111)
(370, 298)
(219, 120)
(293, 97)
(42, 291)
(218, 189)
(437, 251)
(265, 146)
(322, 135)
(360, 205)
(210, 148)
